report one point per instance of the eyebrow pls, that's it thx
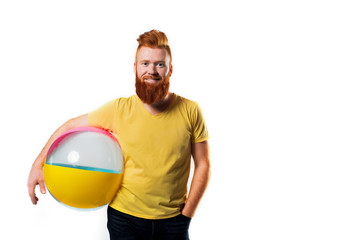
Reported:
(146, 60)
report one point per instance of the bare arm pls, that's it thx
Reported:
(36, 175)
(201, 156)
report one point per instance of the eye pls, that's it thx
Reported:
(161, 65)
(145, 63)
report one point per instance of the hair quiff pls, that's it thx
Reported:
(154, 39)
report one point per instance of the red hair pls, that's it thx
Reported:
(154, 39)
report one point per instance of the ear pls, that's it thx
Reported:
(171, 69)
(135, 67)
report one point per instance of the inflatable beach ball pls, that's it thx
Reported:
(83, 168)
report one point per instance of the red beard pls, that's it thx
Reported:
(152, 93)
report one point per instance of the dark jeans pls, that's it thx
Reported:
(122, 226)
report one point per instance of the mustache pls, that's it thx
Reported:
(151, 77)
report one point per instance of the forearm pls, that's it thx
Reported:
(199, 184)
(36, 176)
(72, 123)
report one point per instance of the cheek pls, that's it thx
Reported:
(139, 72)
(163, 72)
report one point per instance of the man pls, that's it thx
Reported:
(158, 131)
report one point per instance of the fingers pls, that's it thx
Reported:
(31, 190)
(32, 194)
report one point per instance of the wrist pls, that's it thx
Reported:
(39, 163)
(187, 213)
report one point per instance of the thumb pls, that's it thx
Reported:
(42, 187)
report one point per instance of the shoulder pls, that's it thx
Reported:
(187, 103)
(188, 108)
(123, 102)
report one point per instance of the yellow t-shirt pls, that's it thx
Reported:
(157, 153)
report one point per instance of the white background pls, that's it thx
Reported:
(278, 82)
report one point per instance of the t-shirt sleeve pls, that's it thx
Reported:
(199, 128)
(103, 117)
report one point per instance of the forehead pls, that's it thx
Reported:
(152, 54)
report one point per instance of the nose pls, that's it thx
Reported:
(152, 69)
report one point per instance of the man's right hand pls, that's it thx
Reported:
(36, 177)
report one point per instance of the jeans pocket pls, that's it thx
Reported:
(185, 217)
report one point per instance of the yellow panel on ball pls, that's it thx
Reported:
(81, 188)
(83, 168)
